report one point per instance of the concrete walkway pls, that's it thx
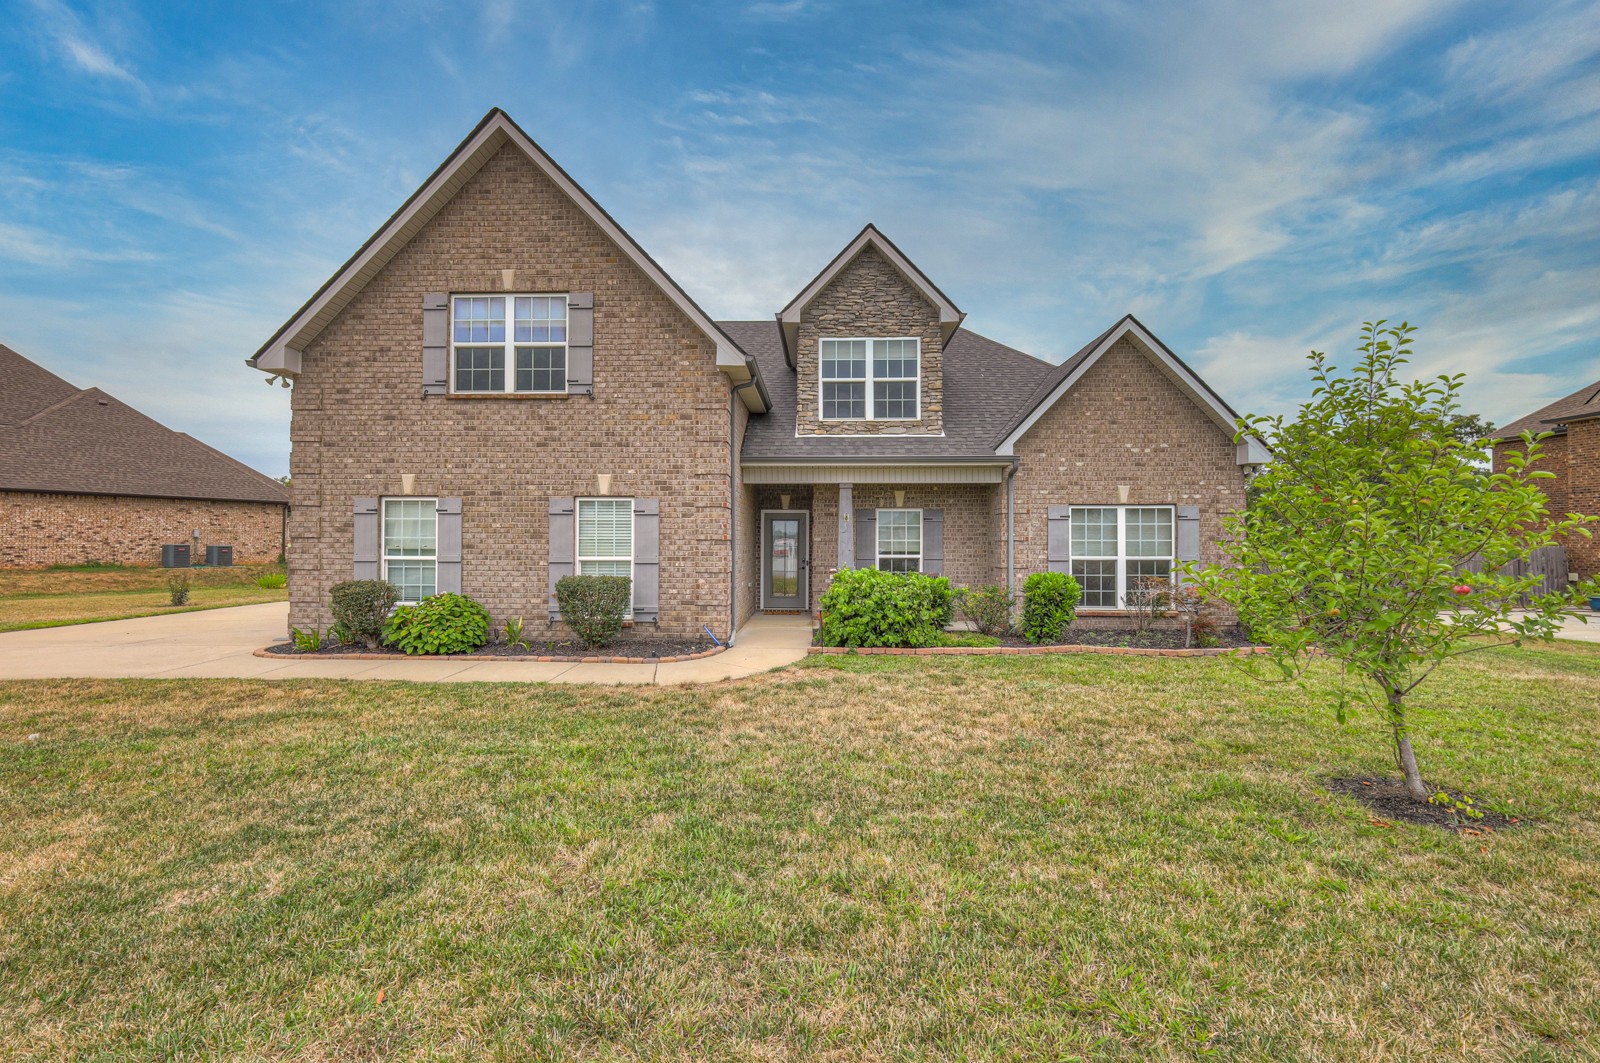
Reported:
(220, 644)
(1579, 631)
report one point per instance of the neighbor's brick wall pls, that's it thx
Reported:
(1573, 459)
(1124, 424)
(658, 421)
(869, 297)
(38, 530)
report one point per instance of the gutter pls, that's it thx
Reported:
(1011, 530)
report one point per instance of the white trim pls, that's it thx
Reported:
(510, 344)
(468, 159)
(383, 540)
(949, 315)
(633, 542)
(1174, 369)
(870, 381)
(761, 562)
(1120, 559)
(877, 539)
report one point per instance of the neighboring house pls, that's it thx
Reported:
(1572, 457)
(85, 478)
(502, 388)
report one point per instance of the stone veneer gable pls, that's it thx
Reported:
(869, 297)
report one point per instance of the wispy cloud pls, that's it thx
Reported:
(75, 43)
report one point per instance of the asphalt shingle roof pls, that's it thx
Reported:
(60, 439)
(1580, 405)
(985, 383)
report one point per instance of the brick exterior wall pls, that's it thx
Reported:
(1574, 460)
(39, 530)
(869, 297)
(1123, 424)
(658, 421)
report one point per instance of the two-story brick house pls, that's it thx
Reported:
(501, 387)
(1571, 454)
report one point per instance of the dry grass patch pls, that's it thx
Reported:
(873, 858)
(34, 598)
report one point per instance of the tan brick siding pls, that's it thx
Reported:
(658, 421)
(1573, 460)
(869, 297)
(38, 530)
(1124, 424)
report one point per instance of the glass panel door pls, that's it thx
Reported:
(783, 561)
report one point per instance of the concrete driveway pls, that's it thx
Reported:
(220, 644)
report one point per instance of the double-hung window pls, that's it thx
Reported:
(871, 379)
(1113, 546)
(900, 540)
(411, 546)
(525, 355)
(605, 538)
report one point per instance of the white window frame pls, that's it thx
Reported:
(633, 541)
(870, 380)
(1121, 558)
(383, 541)
(510, 344)
(877, 540)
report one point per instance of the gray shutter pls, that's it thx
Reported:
(435, 343)
(448, 566)
(646, 560)
(563, 547)
(1058, 538)
(580, 343)
(866, 538)
(368, 531)
(1187, 541)
(933, 542)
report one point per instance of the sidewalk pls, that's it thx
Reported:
(221, 644)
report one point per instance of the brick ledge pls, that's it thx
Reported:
(265, 652)
(1003, 651)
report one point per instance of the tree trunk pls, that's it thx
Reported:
(1403, 754)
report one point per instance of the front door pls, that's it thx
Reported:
(785, 560)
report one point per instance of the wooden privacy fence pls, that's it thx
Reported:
(1548, 562)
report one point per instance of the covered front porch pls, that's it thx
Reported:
(799, 524)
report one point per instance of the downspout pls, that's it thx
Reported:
(1011, 530)
(733, 508)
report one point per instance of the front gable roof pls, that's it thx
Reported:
(950, 316)
(281, 353)
(1069, 372)
(1579, 406)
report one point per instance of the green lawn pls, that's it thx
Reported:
(56, 597)
(863, 858)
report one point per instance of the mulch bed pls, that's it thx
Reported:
(648, 649)
(1389, 801)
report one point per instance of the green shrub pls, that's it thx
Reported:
(307, 641)
(362, 607)
(339, 635)
(989, 608)
(594, 606)
(444, 623)
(516, 634)
(1049, 604)
(178, 588)
(272, 581)
(866, 607)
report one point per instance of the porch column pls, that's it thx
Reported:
(847, 526)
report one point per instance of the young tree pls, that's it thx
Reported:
(1362, 524)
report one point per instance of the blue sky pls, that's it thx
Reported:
(1252, 178)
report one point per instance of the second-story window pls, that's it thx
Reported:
(871, 379)
(525, 355)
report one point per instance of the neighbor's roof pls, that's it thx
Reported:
(1580, 405)
(60, 439)
(984, 384)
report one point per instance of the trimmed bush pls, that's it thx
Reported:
(866, 607)
(594, 606)
(362, 607)
(1049, 604)
(444, 623)
(989, 608)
